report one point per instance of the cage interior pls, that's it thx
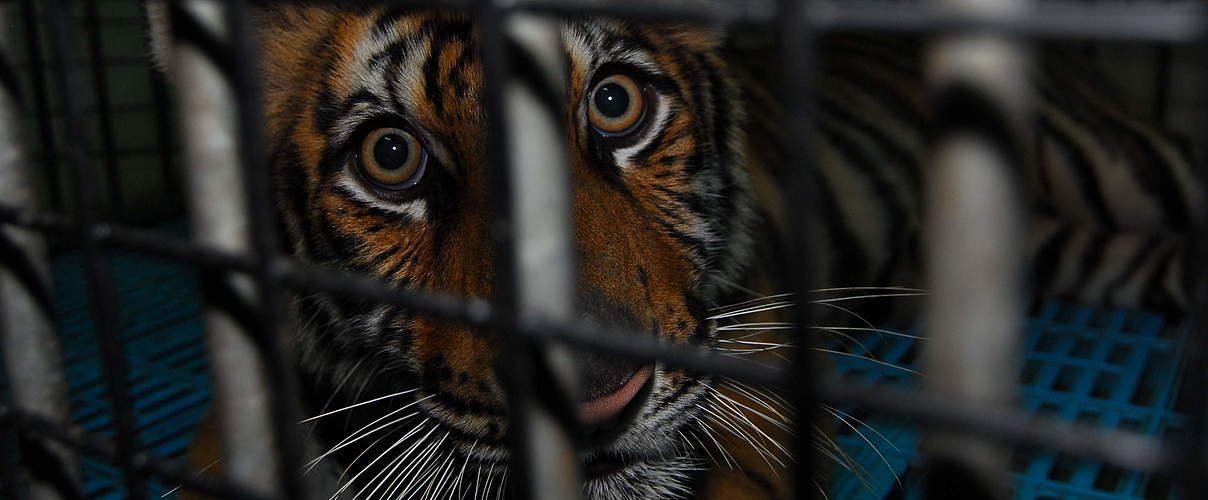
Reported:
(1110, 368)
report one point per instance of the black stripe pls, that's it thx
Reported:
(8, 78)
(377, 260)
(1134, 266)
(19, 263)
(909, 163)
(883, 193)
(1088, 181)
(1046, 260)
(1092, 260)
(1155, 176)
(849, 257)
(385, 24)
(431, 72)
(526, 68)
(1156, 295)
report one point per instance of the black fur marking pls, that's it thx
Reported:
(1088, 185)
(1048, 257)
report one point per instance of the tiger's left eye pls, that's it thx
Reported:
(616, 106)
(392, 158)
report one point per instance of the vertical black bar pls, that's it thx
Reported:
(537, 429)
(100, 83)
(797, 60)
(8, 435)
(273, 340)
(1161, 84)
(514, 371)
(96, 260)
(8, 461)
(1190, 470)
(46, 134)
(170, 181)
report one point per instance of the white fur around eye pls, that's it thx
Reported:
(416, 209)
(624, 156)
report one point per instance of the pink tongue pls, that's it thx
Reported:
(608, 407)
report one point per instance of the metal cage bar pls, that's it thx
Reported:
(97, 265)
(973, 227)
(1192, 460)
(219, 219)
(115, 206)
(262, 413)
(46, 133)
(796, 52)
(535, 273)
(272, 339)
(29, 349)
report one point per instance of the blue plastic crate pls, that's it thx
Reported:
(1111, 368)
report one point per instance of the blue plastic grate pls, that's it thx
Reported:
(1111, 368)
(161, 322)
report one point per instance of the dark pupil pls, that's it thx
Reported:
(391, 152)
(612, 100)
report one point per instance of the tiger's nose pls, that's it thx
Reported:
(601, 406)
(609, 385)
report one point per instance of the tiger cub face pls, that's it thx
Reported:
(379, 150)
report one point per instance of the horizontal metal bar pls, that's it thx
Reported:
(471, 311)
(1175, 22)
(1123, 449)
(105, 449)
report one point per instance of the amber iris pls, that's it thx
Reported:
(392, 158)
(617, 106)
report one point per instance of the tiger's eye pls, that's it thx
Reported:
(392, 158)
(616, 106)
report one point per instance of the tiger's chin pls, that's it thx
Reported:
(640, 454)
(641, 479)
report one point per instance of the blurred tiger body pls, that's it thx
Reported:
(1113, 195)
(378, 150)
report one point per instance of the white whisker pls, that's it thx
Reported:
(339, 386)
(874, 330)
(752, 310)
(352, 438)
(198, 474)
(379, 457)
(874, 447)
(346, 408)
(873, 360)
(871, 296)
(725, 454)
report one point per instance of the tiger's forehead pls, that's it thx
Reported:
(424, 67)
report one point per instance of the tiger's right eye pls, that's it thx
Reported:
(617, 106)
(392, 158)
